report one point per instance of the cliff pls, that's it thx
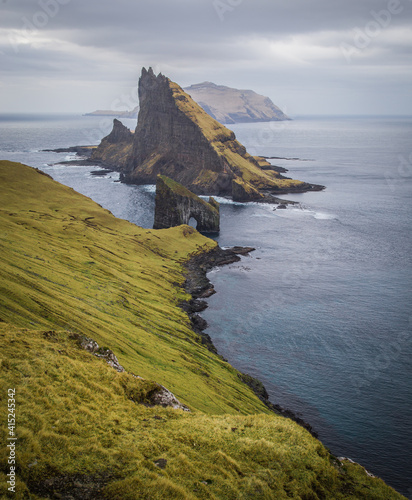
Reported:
(74, 276)
(115, 148)
(229, 105)
(176, 137)
(176, 205)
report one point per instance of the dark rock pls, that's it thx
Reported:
(176, 205)
(243, 192)
(282, 206)
(275, 168)
(114, 149)
(102, 172)
(120, 133)
(260, 390)
(198, 285)
(84, 151)
(77, 486)
(169, 141)
(161, 463)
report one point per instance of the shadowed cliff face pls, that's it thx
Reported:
(115, 148)
(177, 138)
(168, 142)
(175, 205)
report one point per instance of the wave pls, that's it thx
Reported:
(293, 211)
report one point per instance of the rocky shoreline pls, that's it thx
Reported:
(198, 285)
(84, 153)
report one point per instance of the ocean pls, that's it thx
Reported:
(321, 310)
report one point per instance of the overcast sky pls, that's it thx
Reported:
(308, 56)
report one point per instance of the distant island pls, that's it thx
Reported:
(228, 105)
(224, 104)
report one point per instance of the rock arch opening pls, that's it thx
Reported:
(192, 222)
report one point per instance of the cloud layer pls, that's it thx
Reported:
(322, 56)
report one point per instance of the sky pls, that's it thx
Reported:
(322, 57)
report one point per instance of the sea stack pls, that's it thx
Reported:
(176, 205)
(177, 138)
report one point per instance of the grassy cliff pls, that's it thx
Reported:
(70, 268)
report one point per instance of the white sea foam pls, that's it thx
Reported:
(149, 188)
(70, 157)
(301, 211)
(222, 200)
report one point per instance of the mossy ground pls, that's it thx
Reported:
(69, 267)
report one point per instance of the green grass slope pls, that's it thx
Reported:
(84, 430)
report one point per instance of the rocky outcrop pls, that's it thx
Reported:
(159, 395)
(176, 205)
(176, 137)
(241, 191)
(114, 149)
(229, 105)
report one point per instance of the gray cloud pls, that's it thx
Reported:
(293, 51)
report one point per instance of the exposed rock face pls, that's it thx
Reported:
(175, 205)
(244, 192)
(115, 148)
(167, 141)
(160, 396)
(229, 105)
(177, 138)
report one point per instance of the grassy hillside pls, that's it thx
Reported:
(70, 268)
(67, 263)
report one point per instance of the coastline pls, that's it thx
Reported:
(198, 285)
(269, 196)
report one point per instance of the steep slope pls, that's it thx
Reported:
(68, 263)
(229, 105)
(177, 138)
(84, 431)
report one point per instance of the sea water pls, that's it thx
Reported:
(321, 310)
